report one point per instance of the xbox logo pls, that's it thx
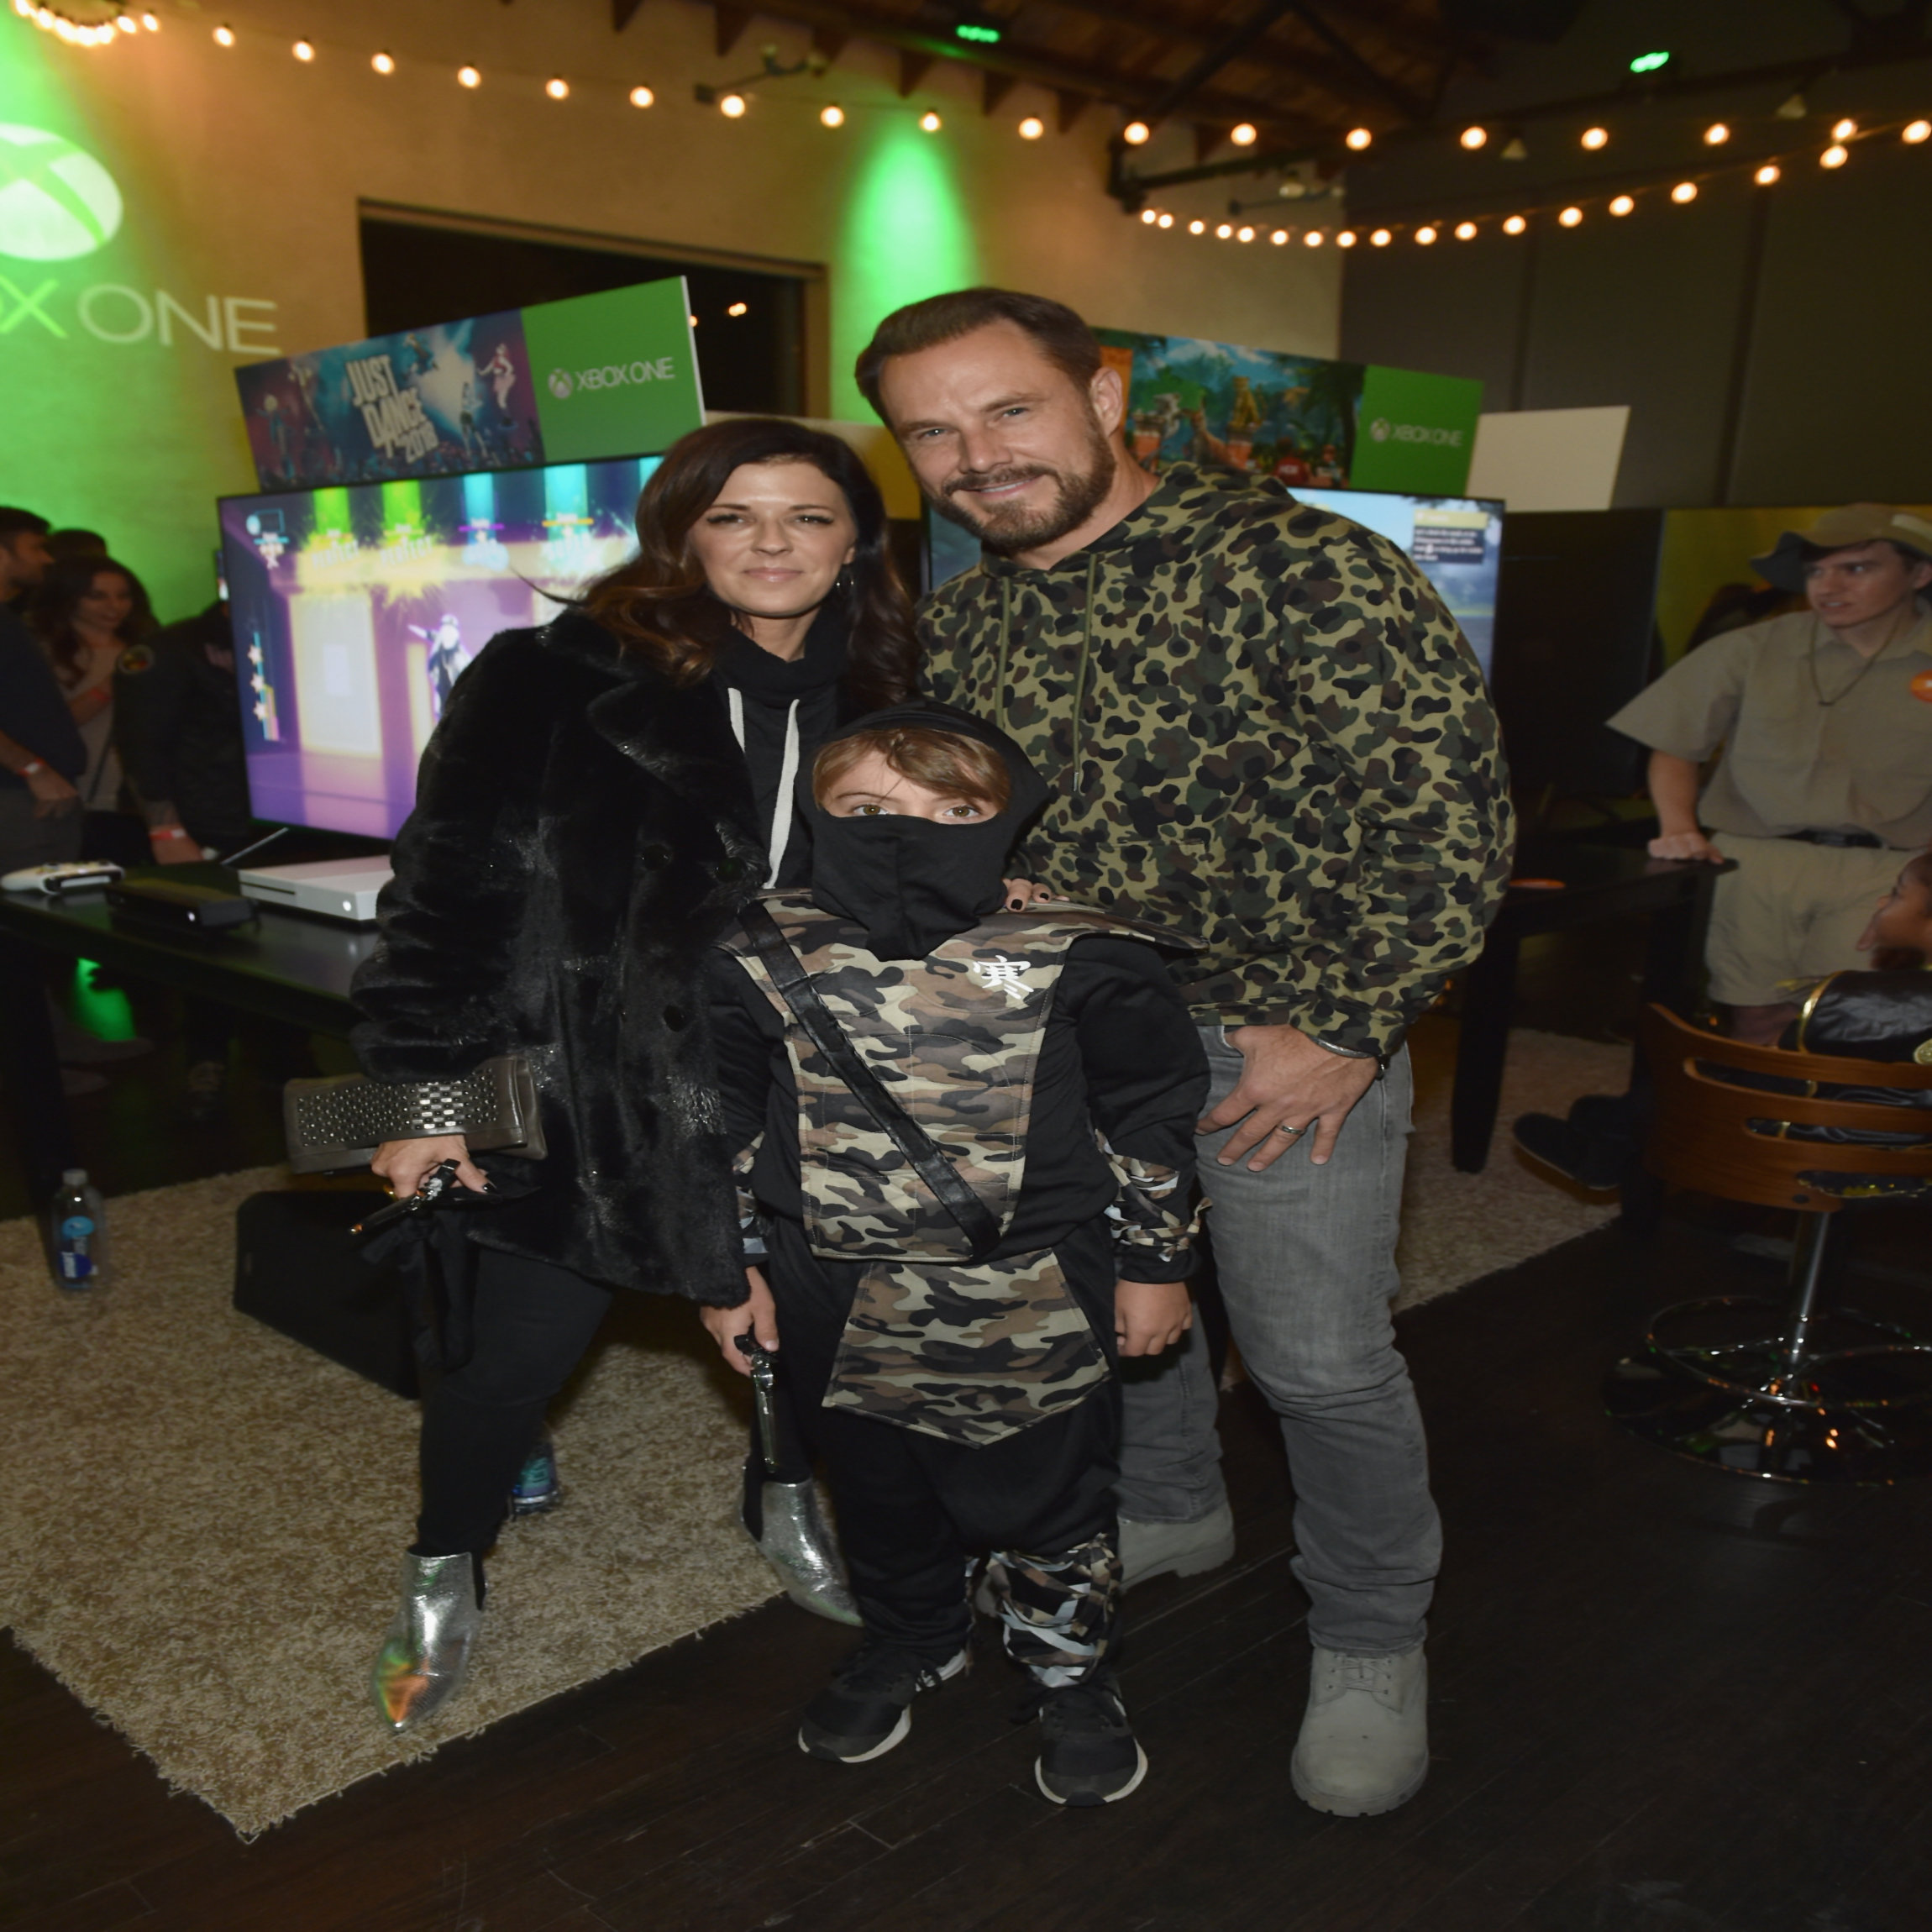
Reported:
(1379, 429)
(56, 201)
(561, 384)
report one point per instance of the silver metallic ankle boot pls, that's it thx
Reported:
(425, 1654)
(803, 1552)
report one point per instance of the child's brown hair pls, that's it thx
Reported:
(943, 761)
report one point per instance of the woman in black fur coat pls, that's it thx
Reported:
(599, 797)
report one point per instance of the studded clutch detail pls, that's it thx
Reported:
(341, 1122)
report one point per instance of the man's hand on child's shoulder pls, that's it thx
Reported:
(1151, 1315)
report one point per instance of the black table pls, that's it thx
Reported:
(284, 967)
(1598, 882)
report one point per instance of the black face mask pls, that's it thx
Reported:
(911, 883)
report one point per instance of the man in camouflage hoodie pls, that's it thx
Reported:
(1263, 727)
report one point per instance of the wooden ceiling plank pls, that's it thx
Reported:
(728, 24)
(622, 11)
(913, 68)
(1071, 107)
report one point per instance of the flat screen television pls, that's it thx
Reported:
(1456, 542)
(357, 608)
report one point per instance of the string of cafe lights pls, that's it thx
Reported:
(732, 103)
(1571, 210)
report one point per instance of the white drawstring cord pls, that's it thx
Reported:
(782, 811)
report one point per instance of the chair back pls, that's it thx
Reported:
(1702, 1136)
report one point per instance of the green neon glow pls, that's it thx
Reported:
(969, 30)
(106, 1014)
(906, 235)
(402, 508)
(332, 513)
(1649, 63)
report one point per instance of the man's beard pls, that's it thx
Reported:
(1011, 526)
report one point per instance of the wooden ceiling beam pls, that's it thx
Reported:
(913, 68)
(622, 13)
(728, 24)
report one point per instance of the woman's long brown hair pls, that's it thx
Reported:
(659, 602)
(51, 614)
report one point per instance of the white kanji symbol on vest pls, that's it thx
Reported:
(1001, 973)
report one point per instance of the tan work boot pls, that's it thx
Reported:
(1364, 1743)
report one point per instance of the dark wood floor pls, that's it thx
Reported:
(1664, 1697)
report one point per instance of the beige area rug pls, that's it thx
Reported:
(206, 1552)
(1457, 1227)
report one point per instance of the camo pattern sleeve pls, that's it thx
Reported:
(1266, 730)
(1154, 1235)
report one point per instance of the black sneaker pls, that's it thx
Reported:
(864, 1710)
(1088, 1754)
(1592, 1160)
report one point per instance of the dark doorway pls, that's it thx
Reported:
(752, 360)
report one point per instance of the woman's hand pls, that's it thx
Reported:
(405, 1165)
(1151, 1315)
(1685, 845)
(756, 1316)
(1021, 893)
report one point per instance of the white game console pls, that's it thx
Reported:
(69, 875)
(343, 889)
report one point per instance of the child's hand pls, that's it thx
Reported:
(756, 1316)
(1151, 1315)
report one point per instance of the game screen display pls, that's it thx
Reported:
(1456, 542)
(356, 610)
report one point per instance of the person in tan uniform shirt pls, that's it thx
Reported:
(1825, 720)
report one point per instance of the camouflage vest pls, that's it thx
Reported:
(969, 1352)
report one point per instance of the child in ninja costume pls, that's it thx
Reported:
(950, 1301)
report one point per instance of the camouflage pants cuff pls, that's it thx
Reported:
(1057, 1612)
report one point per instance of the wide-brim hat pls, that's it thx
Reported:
(1838, 530)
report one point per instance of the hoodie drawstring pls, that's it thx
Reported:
(782, 812)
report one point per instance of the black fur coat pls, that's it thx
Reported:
(583, 830)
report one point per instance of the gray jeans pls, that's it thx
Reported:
(1306, 1261)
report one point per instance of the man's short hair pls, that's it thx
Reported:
(15, 522)
(1063, 337)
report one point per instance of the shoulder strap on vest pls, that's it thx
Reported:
(795, 985)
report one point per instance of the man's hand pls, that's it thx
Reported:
(52, 794)
(756, 1316)
(404, 1164)
(1151, 1315)
(1685, 845)
(1287, 1082)
(172, 848)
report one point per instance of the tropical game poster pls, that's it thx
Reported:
(1292, 418)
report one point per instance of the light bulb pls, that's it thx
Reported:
(1716, 134)
(224, 36)
(1345, 239)
(382, 63)
(1313, 238)
(1167, 220)
(126, 23)
(469, 77)
(1473, 137)
(302, 50)
(150, 22)
(731, 106)
(1197, 228)
(1834, 157)
(738, 308)
(1914, 132)
(1244, 234)
(1380, 238)
(1515, 225)
(931, 122)
(1224, 232)
(1357, 138)
(1136, 134)
(1766, 174)
(1465, 231)
(1844, 130)
(831, 115)
(1570, 216)
(1595, 138)
(1244, 136)
(1150, 216)
(557, 88)
(1623, 205)
(1031, 128)
(1684, 191)
(642, 97)
(1426, 234)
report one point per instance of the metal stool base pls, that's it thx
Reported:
(1716, 1381)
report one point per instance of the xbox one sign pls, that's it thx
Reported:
(613, 375)
(56, 201)
(1383, 431)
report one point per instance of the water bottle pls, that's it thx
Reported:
(79, 1223)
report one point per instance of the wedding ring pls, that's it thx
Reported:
(1285, 1129)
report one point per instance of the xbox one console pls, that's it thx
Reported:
(342, 889)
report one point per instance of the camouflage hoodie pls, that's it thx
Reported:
(1263, 729)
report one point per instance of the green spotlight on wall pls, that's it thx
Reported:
(1650, 63)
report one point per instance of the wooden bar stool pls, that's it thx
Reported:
(1800, 1391)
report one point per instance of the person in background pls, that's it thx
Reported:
(41, 751)
(1263, 727)
(1825, 720)
(63, 546)
(92, 616)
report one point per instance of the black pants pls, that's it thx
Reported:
(533, 1322)
(914, 1509)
